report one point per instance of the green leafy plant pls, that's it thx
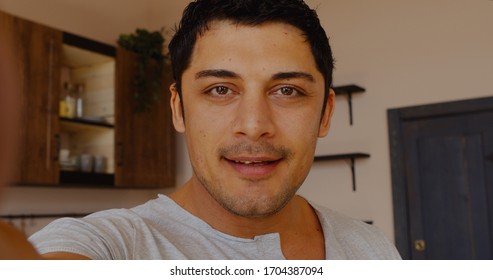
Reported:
(149, 67)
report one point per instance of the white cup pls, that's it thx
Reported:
(86, 163)
(99, 164)
(64, 154)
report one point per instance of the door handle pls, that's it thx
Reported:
(420, 245)
(120, 154)
(58, 146)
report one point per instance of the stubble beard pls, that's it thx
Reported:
(252, 205)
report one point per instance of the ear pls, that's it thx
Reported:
(327, 116)
(176, 109)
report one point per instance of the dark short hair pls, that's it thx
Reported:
(199, 14)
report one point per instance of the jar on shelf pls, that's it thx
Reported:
(71, 103)
(79, 103)
(67, 102)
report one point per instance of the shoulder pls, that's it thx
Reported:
(124, 221)
(108, 234)
(97, 236)
(348, 238)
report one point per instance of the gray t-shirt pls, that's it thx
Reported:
(161, 229)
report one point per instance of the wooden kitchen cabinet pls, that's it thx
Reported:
(40, 46)
(139, 146)
(145, 141)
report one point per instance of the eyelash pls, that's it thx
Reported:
(214, 91)
(293, 91)
(211, 90)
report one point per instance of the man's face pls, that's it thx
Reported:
(253, 100)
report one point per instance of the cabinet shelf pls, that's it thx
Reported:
(351, 156)
(85, 178)
(81, 123)
(341, 156)
(349, 90)
(137, 155)
(88, 44)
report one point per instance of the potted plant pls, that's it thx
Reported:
(148, 81)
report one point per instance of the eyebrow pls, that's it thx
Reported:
(221, 73)
(218, 73)
(293, 75)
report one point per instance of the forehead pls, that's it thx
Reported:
(264, 34)
(253, 51)
(220, 26)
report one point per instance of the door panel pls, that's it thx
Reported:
(145, 154)
(453, 197)
(446, 174)
(39, 55)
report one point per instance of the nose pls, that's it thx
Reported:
(254, 117)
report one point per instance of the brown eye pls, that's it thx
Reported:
(287, 91)
(220, 90)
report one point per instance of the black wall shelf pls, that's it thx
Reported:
(352, 157)
(349, 90)
(87, 122)
(88, 44)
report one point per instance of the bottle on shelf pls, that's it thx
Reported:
(79, 103)
(67, 103)
(71, 104)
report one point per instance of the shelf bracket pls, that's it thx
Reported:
(350, 104)
(351, 157)
(349, 90)
(353, 174)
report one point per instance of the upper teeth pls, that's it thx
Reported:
(247, 162)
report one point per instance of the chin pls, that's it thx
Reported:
(255, 206)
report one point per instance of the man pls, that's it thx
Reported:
(252, 95)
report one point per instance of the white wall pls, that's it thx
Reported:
(403, 52)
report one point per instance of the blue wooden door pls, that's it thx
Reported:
(449, 185)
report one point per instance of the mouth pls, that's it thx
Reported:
(254, 162)
(254, 167)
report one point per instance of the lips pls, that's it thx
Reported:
(254, 167)
(254, 163)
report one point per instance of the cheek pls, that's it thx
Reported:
(302, 126)
(303, 140)
(201, 134)
(205, 123)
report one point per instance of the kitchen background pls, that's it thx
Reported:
(402, 52)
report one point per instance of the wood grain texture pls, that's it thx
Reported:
(442, 182)
(39, 57)
(145, 142)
